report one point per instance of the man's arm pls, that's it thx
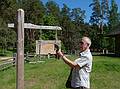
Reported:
(68, 61)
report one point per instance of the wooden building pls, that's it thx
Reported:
(116, 34)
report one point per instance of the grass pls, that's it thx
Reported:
(52, 74)
(106, 73)
(4, 53)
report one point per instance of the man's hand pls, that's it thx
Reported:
(60, 53)
(56, 47)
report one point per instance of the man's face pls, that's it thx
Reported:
(83, 45)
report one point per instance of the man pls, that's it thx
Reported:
(81, 66)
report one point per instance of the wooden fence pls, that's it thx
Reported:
(7, 63)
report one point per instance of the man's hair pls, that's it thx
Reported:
(87, 40)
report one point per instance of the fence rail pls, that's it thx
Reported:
(6, 63)
(9, 62)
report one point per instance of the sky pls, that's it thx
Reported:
(83, 4)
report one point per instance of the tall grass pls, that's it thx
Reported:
(52, 74)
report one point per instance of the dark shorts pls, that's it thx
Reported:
(80, 88)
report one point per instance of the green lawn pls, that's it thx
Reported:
(52, 74)
(4, 53)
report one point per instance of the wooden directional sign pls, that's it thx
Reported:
(20, 25)
(32, 26)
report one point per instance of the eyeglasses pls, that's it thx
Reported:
(81, 42)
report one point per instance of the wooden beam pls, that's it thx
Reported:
(32, 26)
(20, 50)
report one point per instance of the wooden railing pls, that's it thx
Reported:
(6, 63)
(9, 62)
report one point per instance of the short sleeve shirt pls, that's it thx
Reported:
(80, 77)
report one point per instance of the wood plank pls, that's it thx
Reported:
(32, 26)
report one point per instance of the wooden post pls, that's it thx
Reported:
(14, 58)
(56, 38)
(40, 44)
(20, 50)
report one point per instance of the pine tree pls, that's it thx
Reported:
(95, 18)
(114, 15)
(104, 14)
(65, 23)
(78, 15)
(34, 12)
(53, 8)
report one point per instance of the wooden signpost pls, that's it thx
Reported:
(20, 25)
(20, 50)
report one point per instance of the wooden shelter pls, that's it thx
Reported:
(116, 34)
